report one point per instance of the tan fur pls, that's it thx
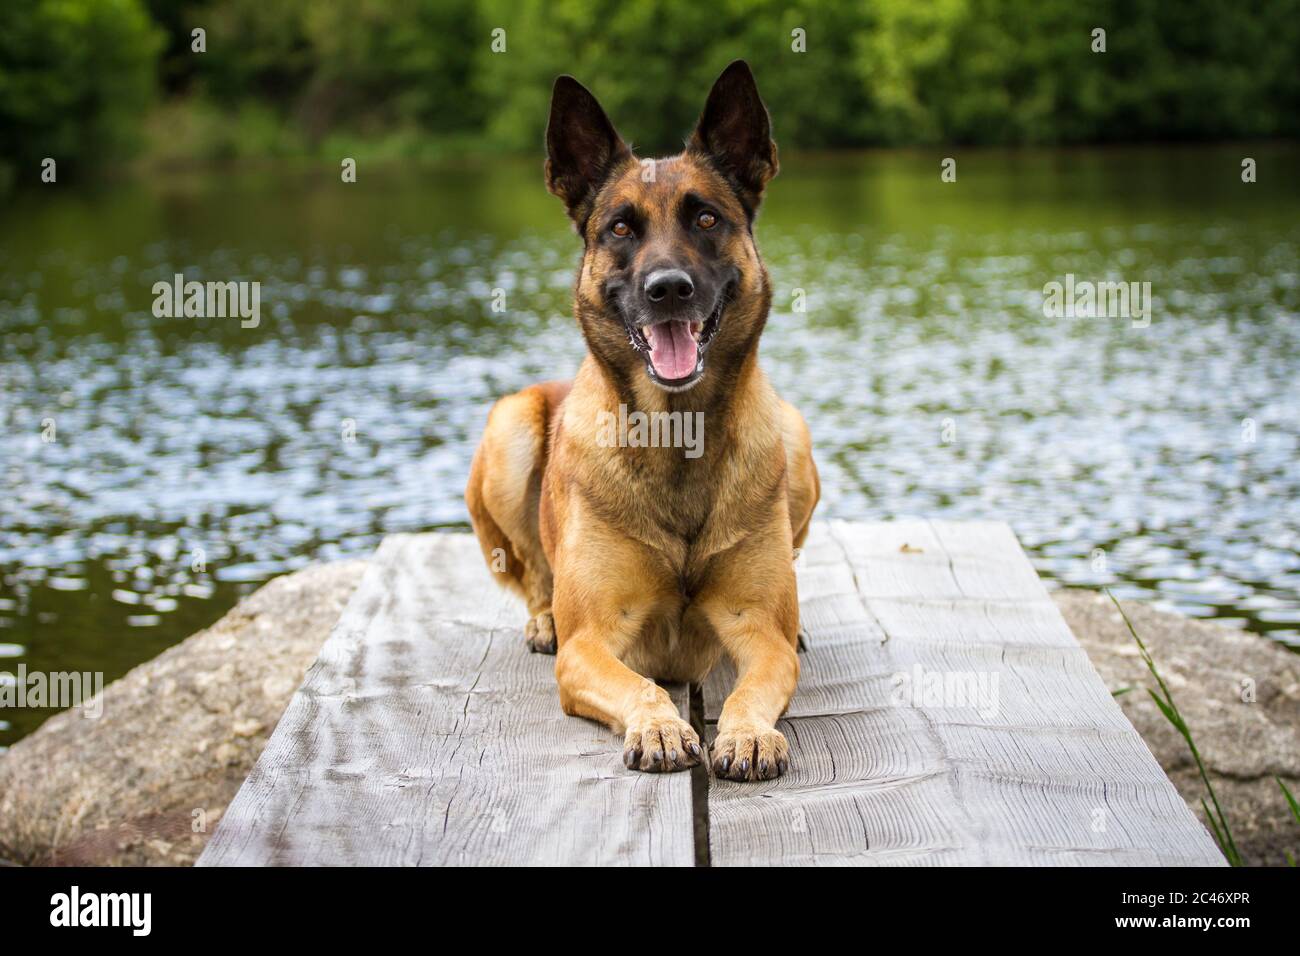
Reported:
(639, 563)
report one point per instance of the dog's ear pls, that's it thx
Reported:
(582, 147)
(736, 134)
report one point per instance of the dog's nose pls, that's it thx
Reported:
(668, 287)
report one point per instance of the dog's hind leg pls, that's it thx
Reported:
(802, 484)
(503, 495)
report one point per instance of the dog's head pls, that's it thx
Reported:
(670, 273)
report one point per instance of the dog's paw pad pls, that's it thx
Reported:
(539, 634)
(661, 745)
(750, 755)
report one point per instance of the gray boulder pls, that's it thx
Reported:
(146, 782)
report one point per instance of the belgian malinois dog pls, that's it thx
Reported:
(641, 562)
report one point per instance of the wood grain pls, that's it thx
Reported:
(427, 734)
(1042, 768)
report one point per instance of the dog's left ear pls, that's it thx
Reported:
(736, 134)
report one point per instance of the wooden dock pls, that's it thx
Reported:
(945, 716)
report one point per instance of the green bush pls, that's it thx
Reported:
(874, 71)
(344, 63)
(76, 77)
(901, 72)
(420, 77)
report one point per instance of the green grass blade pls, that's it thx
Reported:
(1218, 837)
(1295, 807)
(1165, 701)
(1170, 714)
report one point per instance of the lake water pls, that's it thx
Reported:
(192, 459)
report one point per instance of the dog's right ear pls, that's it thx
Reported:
(582, 147)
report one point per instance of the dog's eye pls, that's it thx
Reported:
(707, 219)
(621, 229)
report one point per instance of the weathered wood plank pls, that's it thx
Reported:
(427, 734)
(1018, 756)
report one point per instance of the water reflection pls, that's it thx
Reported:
(193, 459)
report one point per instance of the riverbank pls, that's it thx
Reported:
(146, 783)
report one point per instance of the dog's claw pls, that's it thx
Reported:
(661, 745)
(751, 755)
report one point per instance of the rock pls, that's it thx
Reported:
(1240, 696)
(248, 727)
(147, 781)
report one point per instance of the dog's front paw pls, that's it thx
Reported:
(661, 745)
(750, 754)
(539, 634)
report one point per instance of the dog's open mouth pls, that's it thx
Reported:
(674, 349)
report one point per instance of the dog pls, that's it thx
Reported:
(640, 562)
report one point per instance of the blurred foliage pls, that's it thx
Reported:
(75, 76)
(421, 77)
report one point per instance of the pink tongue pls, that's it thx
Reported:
(673, 351)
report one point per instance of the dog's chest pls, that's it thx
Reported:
(676, 642)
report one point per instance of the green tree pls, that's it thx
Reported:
(330, 63)
(651, 64)
(76, 77)
(283, 77)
